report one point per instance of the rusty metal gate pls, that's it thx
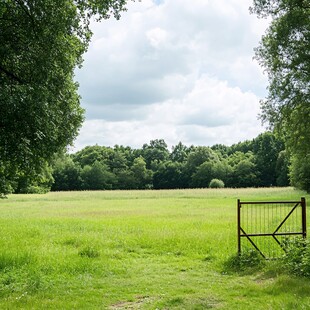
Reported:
(266, 225)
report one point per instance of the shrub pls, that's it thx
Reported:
(297, 257)
(216, 183)
(245, 261)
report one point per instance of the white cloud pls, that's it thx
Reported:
(157, 37)
(179, 70)
(212, 112)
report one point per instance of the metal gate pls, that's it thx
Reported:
(266, 225)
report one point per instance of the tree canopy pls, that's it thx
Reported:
(259, 162)
(284, 53)
(42, 42)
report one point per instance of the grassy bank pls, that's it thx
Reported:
(135, 250)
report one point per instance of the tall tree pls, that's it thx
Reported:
(90, 154)
(282, 169)
(284, 53)
(97, 177)
(42, 42)
(142, 175)
(180, 152)
(169, 175)
(66, 174)
(266, 149)
(198, 156)
(155, 152)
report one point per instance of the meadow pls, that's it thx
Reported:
(136, 250)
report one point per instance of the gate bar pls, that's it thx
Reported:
(266, 202)
(272, 234)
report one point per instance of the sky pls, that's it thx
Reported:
(176, 70)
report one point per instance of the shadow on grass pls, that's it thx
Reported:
(246, 262)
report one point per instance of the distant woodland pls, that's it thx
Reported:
(261, 162)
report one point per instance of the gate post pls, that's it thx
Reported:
(238, 219)
(304, 222)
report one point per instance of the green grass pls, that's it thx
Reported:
(136, 250)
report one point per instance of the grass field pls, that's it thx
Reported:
(135, 250)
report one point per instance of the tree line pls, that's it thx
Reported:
(260, 162)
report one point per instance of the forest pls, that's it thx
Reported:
(261, 162)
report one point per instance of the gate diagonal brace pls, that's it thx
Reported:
(252, 242)
(280, 244)
(289, 214)
(281, 224)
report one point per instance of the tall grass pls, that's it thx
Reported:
(135, 250)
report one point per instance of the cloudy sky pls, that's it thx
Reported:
(176, 70)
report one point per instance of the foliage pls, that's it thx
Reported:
(219, 169)
(119, 167)
(223, 171)
(247, 260)
(42, 42)
(203, 175)
(183, 167)
(67, 174)
(35, 184)
(90, 154)
(245, 173)
(284, 54)
(169, 175)
(180, 152)
(282, 169)
(297, 257)
(156, 151)
(97, 177)
(216, 183)
(142, 175)
(300, 171)
(198, 156)
(6, 180)
(266, 148)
